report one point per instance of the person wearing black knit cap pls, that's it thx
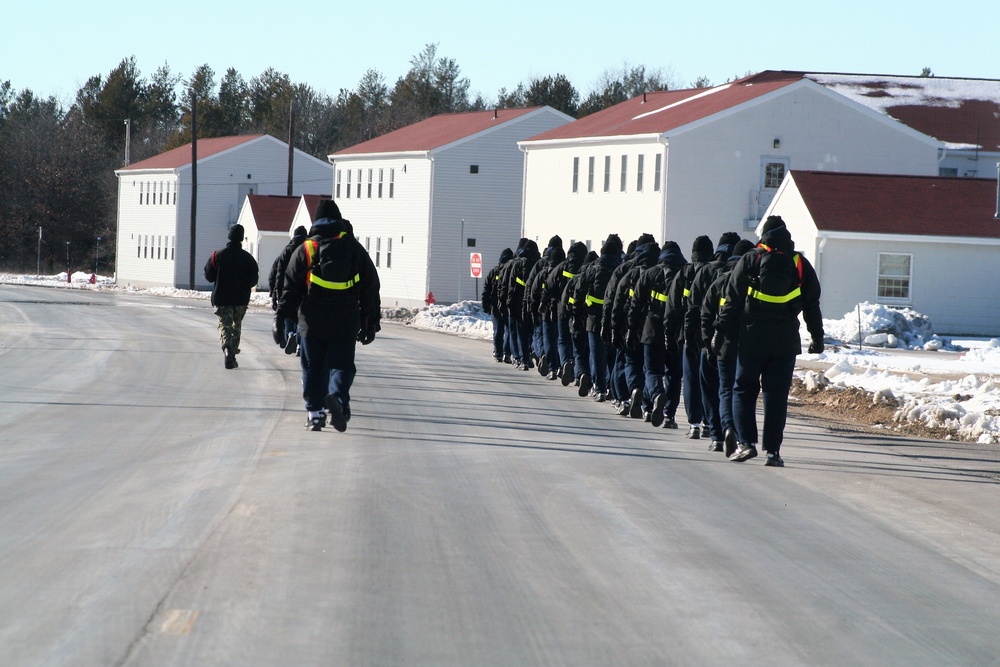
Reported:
(233, 272)
(285, 336)
(767, 290)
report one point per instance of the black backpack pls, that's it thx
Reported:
(776, 287)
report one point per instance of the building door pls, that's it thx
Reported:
(772, 173)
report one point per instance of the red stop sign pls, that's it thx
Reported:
(476, 264)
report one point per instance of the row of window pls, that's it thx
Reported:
(153, 246)
(378, 250)
(157, 192)
(345, 177)
(623, 178)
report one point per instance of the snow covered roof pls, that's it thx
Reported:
(663, 111)
(181, 156)
(273, 213)
(962, 113)
(907, 205)
(436, 131)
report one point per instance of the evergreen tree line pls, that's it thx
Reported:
(57, 164)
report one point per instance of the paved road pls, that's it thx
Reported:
(156, 509)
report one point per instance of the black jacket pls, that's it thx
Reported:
(594, 285)
(349, 303)
(515, 279)
(709, 310)
(233, 272)
(770, 331)
(648, 306)
(491, 285)
(276, 279)
(557, 279)
(645, 257)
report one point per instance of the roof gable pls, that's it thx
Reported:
(664, 111)
(906, 205)
(310, 202)
(437, 131)
(960, 112)
(179, 157)
(273, 213)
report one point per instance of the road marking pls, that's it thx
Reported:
(178, 622)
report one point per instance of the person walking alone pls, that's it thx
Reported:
(233, 272)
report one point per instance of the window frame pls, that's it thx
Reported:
(576, 175)
(884, 277)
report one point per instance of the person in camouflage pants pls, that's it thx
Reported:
(233, 272)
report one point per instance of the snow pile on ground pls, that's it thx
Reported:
(465, 318)
(881, 326)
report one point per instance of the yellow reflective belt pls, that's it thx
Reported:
(591, 300)
(567, 274)
(659, 297)
(687, 292)
(338, 286)
(631, 292)
(543, 285)
(572, 300)
(519, 281)
(770, 298)
(722, 301)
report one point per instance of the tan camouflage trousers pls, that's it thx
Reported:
(230, 325)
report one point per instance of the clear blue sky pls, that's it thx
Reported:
(54, 47)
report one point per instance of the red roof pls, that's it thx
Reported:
(435, 132)
(273, 213)
(909, 205)
(661, 112)
(311, 201)
(181, 156)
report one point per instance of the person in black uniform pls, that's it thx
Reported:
(286, 336)
(767, 290)
(491, 306)
(333, 285)
(233, 272)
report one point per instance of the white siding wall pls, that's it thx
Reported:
(146, 231)
(971, 164)
(714, 168)
(551, 206)
(265, 161)
(402, 218)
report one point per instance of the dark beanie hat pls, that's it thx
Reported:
(327, 208)
(729, 238)
(613, 242)
(555, 242)
(742, 247)
(520, 243)
(300, 232)
(645, 238)
(702, 246)
(772, 223)
(236, 234)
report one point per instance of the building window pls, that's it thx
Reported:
(948, 172)
(576, 174)
(624, 172)
(657, 170)
(349, 172)
(638, 175)
(774, 173)
(607, 173)
(388, 254)
(590, 174)
(161, 192)
(359, 184)
(392, 182)
(473, 168)
(369, 183)
(894, 276)
(378, 250)
(140, 193)
(380, 183)
(337, 196)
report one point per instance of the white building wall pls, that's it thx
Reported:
(396, 224)
(552, 207)
(715, 167)
(146, 238)
(969, 164)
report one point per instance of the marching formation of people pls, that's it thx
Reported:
(639, 327)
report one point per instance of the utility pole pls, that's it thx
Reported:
(194, 187)
(97, 255)
(128, 140)
(291, 144)
(38, 269)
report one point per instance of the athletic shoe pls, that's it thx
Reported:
(774, 460)
(585, 385)
(730, 442)
(646, 415)
(744, 453)
(715, 446)
(543, 365)
(567, 373)
(316, 423)
(694, 433)
(600, 397)
(337, 418)
(670, 423)
(623, 409)
(635, 408)
(656, 416)
(507, 359)
(347, 412)
(292, 344)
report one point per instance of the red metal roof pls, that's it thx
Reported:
(311, 201)
(661, 112)
(273, 213)
(909, 205)
(181, 156)
(435, 132)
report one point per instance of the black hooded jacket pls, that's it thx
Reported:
(276, 279)
(594, 284)
(233, 272)
(646, 257)
(332, 284)
(648, 306)
(517, 276)
(491, 285)
(559, 276)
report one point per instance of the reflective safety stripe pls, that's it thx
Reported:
(519, 281)
(337, 286)
(687, 292)
(722, 301)
(543, 285)
(310, 252)
(572, 300)
(659, 297)
(567, 274)
(591, 300)
(770, 298)
(631, 292)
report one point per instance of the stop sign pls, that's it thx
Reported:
(476, 264)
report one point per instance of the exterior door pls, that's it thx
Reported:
(772, 173)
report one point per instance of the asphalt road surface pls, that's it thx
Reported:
(157, 509)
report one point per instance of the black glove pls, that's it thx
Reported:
(278, 330)
(816, 346)
(716, 345)
(367, 333)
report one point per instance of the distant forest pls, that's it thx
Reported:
(57, 164)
